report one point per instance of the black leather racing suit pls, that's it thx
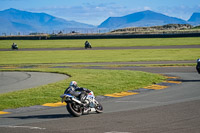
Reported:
(79, 92)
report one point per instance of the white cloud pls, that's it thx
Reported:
(147, 8)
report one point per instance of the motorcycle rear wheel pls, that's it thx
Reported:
(74, 109)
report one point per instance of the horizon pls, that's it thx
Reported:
(96, 12)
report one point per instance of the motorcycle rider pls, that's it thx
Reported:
(87, 44)
(76, 91)
(14, 46)
(198, 66)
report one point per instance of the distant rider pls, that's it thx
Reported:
(198, 66)
(87, 45)
(76, 91)
(14, 46)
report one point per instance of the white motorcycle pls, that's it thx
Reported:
(76, 108)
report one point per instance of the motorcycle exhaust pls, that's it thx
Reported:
(77, 101)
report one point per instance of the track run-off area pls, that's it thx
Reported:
(171, 106)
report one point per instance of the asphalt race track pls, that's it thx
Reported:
(108, 48)
(175, 109)
(12, 81)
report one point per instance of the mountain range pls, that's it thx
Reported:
(146, 19)
(14, 21)
(194, 19)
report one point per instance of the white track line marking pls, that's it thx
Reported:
(28, 127)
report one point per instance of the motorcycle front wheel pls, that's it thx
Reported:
(99, 108)
(74, 109)
(198, 69)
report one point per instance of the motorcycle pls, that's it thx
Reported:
(198, 66)
(14, 47)
(76, 108)
(87, 45)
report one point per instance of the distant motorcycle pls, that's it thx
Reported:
(76, 108)
(198, 66)
(87, 45)
(14, 47)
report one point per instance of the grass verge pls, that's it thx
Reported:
(100, 81)
(37, 57)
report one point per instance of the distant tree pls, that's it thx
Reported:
(60, 32)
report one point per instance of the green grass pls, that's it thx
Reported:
(100, 81)
(100, 42)
(36, 57)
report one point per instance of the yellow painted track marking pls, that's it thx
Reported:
(8, 67)
(121, 94)
(175, 82)
(156, 87)
(2, 112)
(54, 104)
(172, 77)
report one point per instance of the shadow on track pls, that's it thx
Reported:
(189, 80)
(49, 116)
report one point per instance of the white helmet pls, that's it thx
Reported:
(73, 84)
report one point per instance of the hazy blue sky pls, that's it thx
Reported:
(96, 11)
